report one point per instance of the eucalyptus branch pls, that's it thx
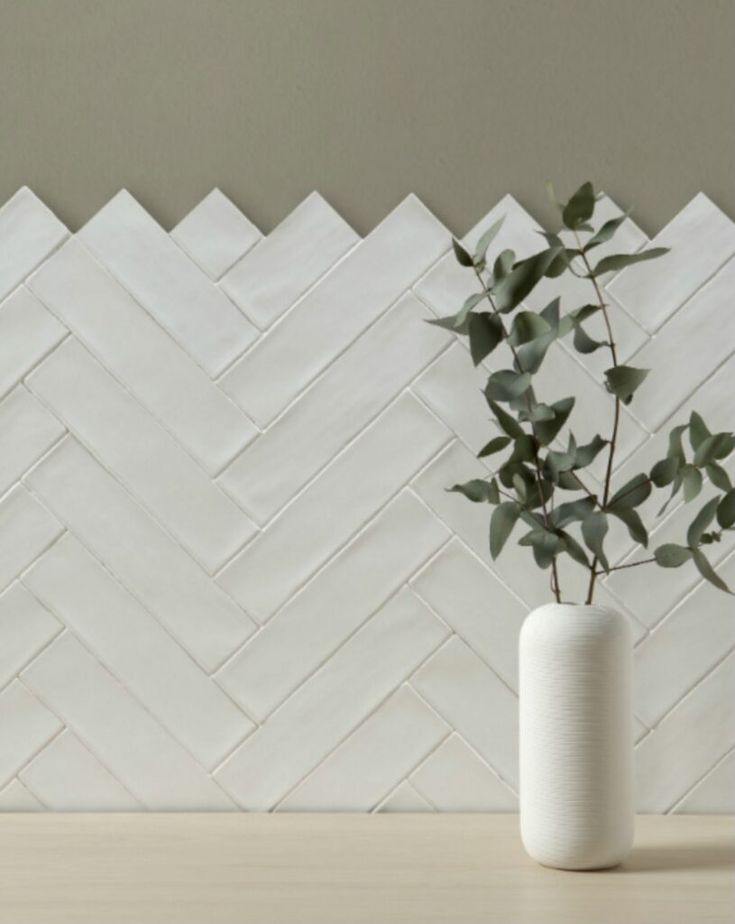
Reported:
(556, 589)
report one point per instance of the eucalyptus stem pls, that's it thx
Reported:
(616, 413)
(556, 589)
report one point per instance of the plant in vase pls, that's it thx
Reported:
(576, 750)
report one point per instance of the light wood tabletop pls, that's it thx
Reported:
(304, 869)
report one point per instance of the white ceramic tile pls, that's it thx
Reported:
(28, 430)
(16, 798)
(138, 651)
(715, 794)
(25, 627)
(28, 233)
(153, 567)
(27, 333)
(471, 600)
(455, 779)
(374, 275)
(330, 510)
(701, 238)
(452, 388)
(364, 768)
(143, 456)
(459, 686)
(372, 372)
(335, 603)
(25, 726)
(329, 705)
(701, 627)
(167, 283)
(142, 356)
(123, 736)
(404, 798)
(275, 274)
(215, 234)
(68, 778)
(26, 530)
(694, 343)
(704, 722)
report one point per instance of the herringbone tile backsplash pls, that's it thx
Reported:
(231, 575)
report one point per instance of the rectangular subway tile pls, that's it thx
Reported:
(25, 628)
(27, 333)
(141, 454)
(326, 708)
(354, 584)
(28, 431)
(372, 372)
(26, 530)
(346, 301)
(365, 767)
(142, 356)
(330, 510)
(138, 650)
(167, 283)
(276, 273)
(25, 726)
(28, 232)
(146, 560)
(215, 234)
(67, 777)
(123, 736)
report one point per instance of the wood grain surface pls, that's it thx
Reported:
(297, 868)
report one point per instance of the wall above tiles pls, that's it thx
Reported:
(230, 575)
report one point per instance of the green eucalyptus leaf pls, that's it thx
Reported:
(580, 207)
(664, 472)
(486, 332)
(478, 491)
(495, 445)
(719, 477)
(676, 450)
(545, 545)
(450, 323)
(594, 530)
(464, 258)
(502, 266)
(572, 512)
(619, 261)
(691, 479)
(632, 493)
(520, 281)
(519, 486)
(586, 311)
(605, 233)
(671, 555)
(507, 423)
(503, 520)
(583, 343)
(527, 326)
(586, 455)
(707, 571)
(622, 381)
(561, 262)
(701, 522)
(674, 491)
(547, 430)
(486, 239)
(634, 523)
(524, 449)
(573, 548)
(506, 385)
(726, 510)
(698, 431)
(537, 412)
(718, 446)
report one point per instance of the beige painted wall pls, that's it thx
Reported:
(459, 101)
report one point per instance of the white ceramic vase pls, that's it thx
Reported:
(576, 736)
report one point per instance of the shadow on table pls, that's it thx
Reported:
(679, 856)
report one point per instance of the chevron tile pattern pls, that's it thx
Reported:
(230, 575)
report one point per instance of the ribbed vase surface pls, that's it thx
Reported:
(576, 736)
